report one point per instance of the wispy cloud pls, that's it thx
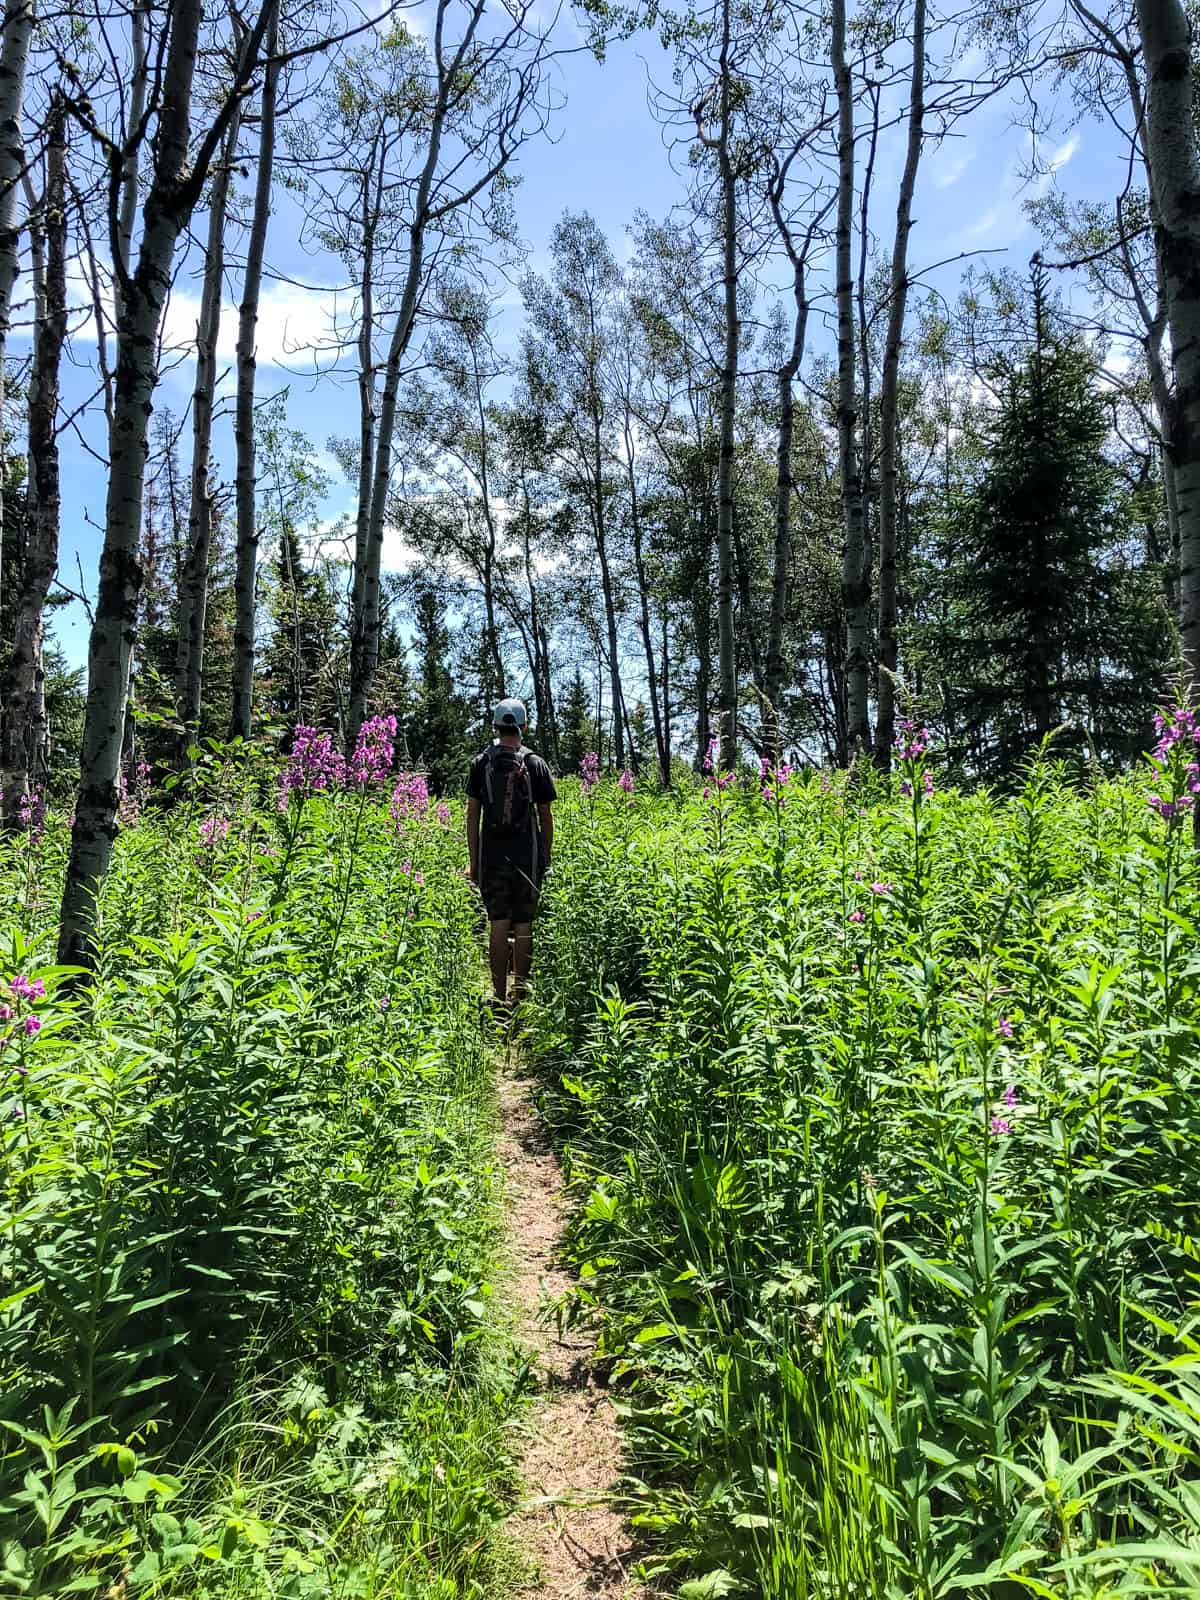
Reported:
(951, 171)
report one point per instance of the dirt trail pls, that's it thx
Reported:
(566, 1523)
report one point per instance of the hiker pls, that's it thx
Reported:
(510, 832)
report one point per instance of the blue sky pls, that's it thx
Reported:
(607, 156)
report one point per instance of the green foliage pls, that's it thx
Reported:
(249, 1211)
(879, 1106)
(1054, 616)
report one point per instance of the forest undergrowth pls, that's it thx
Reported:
(247, 1336)
(879, 1108)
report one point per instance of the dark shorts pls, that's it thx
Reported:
(510, 893)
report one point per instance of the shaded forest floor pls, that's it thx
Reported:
(567, 1524)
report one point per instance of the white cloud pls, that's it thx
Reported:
(953, 170)
(296, 326)
(1064, 153)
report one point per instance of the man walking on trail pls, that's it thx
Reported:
(510, 832)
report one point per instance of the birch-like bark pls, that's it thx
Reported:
(138, 85)
(246, 506)
(366, 623)
(193, 591)
(772, 685)
(889, 386)
(635, 522)
(855, 576)
(372, 203)
(726, 641)
(24, 702)
(1175, 174)
(14, 59)
(172, 195)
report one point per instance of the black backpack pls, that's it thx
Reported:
(508, 808)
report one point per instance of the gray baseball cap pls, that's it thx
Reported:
(509, 714)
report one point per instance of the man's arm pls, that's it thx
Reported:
(546, 822)
(473, 809)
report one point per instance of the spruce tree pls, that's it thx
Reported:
(1048, 624)
(576, 724)
(439, 735)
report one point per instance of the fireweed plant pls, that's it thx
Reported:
(879, 1105)
(248, 1345)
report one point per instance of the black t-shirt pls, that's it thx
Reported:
(494, 848)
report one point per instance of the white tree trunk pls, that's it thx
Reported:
(855, 575)
(246, 541)
(173, 192)
(1175, 172)
(14, 59)
(193, 591)
(885, 727)
(24, 703)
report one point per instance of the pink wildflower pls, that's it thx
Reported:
(1010, 1096)
(312, 766)
(589, 771)
(32, 1025)
(856, 916)
(1004, 1028)
(213, 829)
(373, 751)
(410, 798)
(1001, 1125)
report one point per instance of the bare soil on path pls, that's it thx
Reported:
(567, 1523)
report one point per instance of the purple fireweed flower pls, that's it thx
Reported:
(824, 783)
(28, 989)
(6, 1013)
(906, 788)
(133, 789)
(1169, 809)
(1177, 726)
(410, 799)
(373, 751)
(1004, 1028)
(589, 770)
(32, 1024)
(1001, 1125)
(443, 814)
(213, 829)
(881, 888)
(927, 780)
(707, 793)
(625, 782)
(710, 755)
(31, 811)
(768, 793)
(419, 879)
(764, 769)
(1010, 1096)
(856, 916)
(385, 1002)
(313, 765)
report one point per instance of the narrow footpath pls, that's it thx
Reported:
(571, 1459)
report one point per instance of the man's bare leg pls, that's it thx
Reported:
(522, 956)
(498, 957)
